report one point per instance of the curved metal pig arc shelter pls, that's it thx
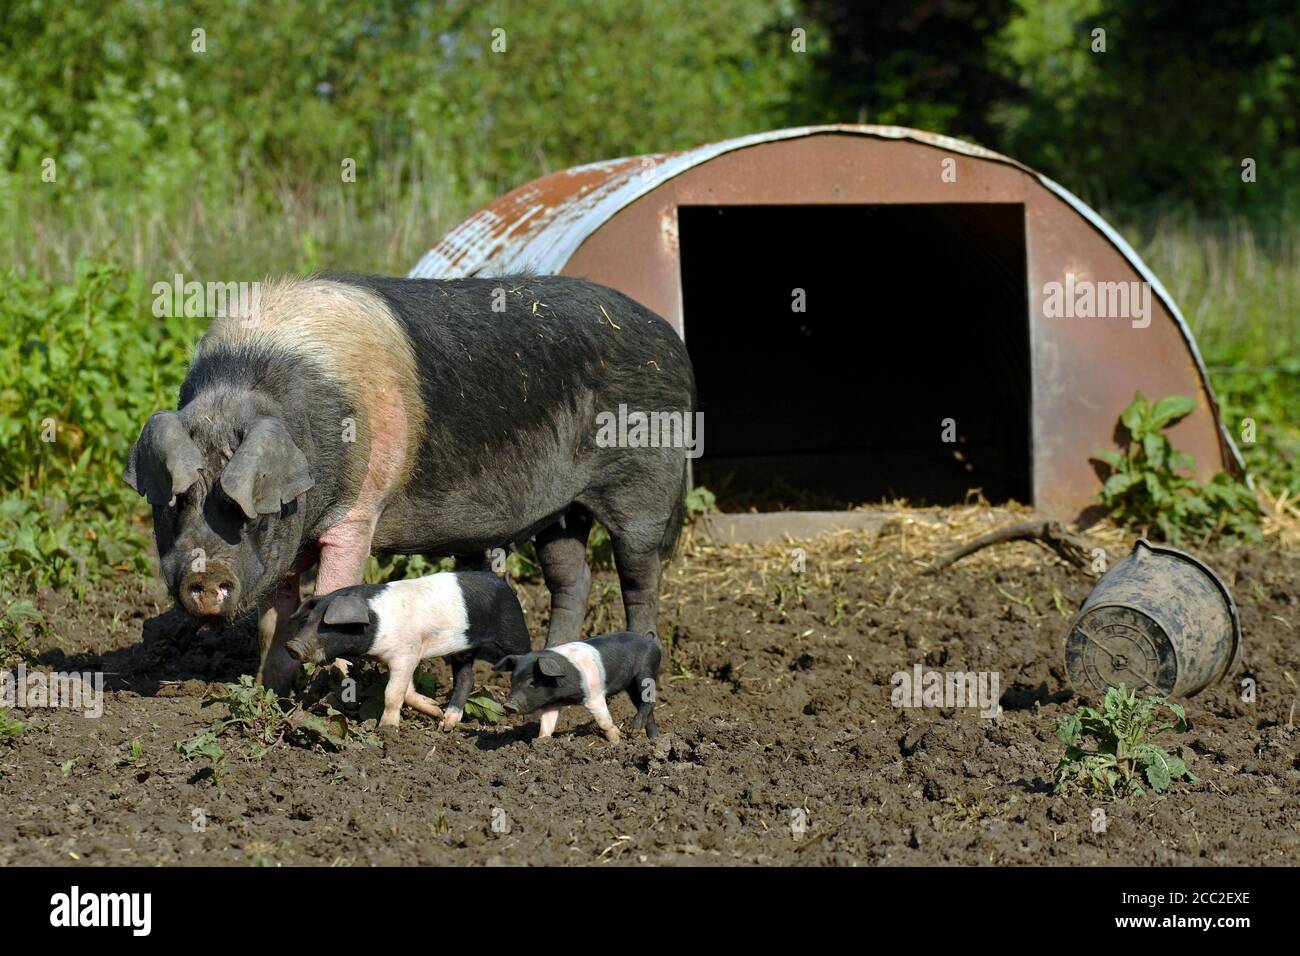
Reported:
(873, 311)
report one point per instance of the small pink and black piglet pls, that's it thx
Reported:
(586, 672)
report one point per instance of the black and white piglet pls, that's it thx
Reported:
(463, 616)
(586, 672)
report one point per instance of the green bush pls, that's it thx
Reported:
(1149, 486)
(151, 135)
(1109, 751)
(82, 366)
(1239, 288)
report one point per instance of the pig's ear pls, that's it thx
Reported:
(164, 462)
(506, 663)
(267, 470)
(550, 665)
(347, 609)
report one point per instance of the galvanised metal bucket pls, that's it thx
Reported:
(1161, 620)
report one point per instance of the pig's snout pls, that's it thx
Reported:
(304, 651)
(212, 592)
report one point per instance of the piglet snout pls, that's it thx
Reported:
(300, 652)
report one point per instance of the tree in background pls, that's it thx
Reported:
(1182, 94)
(921, 63)
(165, 115)
(494, 93)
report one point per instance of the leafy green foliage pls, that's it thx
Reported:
(20, 628)
(1237, 65)
(132, 754)
(1240, 289)
(165, 153)
(496, 88)
(257, 715)
(481, 705)
(700, 501)
(414, 93)
(1109, 751)
(1267, 395)
(80, 371)
(205, 746)
(786, 590)
(10, 727)
(1149, 487)
(893, 63)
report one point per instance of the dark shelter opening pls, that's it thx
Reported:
(914, 315)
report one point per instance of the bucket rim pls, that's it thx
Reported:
(1234, 659)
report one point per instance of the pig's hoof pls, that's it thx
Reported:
(450, 719)
(388, 733)
(613, 736)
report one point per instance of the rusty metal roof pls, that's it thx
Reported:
(538, 227)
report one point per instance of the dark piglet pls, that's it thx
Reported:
(586, 672)
(463, 616)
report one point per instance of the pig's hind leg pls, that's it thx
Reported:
(462, 681)
(598, 708)
(642, 692)
(562, 553)
(417, 701)
(644, 519)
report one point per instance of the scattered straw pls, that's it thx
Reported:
(885, 561)
(1281, 519)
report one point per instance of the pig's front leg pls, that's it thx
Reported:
(562, 553)
(600, 711)
(277, 670)
(400, 672)
(344, 550)
(546, 726)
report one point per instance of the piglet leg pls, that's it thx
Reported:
(546, 726)
(400, 672)
(644, 702)
(600, 711)
(278, 669)
(462, 681)
(417, 701)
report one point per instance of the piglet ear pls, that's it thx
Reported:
(550, 665)
(267, 470)
(164, 462)
(506, 663)
(347, 609)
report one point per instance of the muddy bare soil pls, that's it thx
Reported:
(775, 713)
